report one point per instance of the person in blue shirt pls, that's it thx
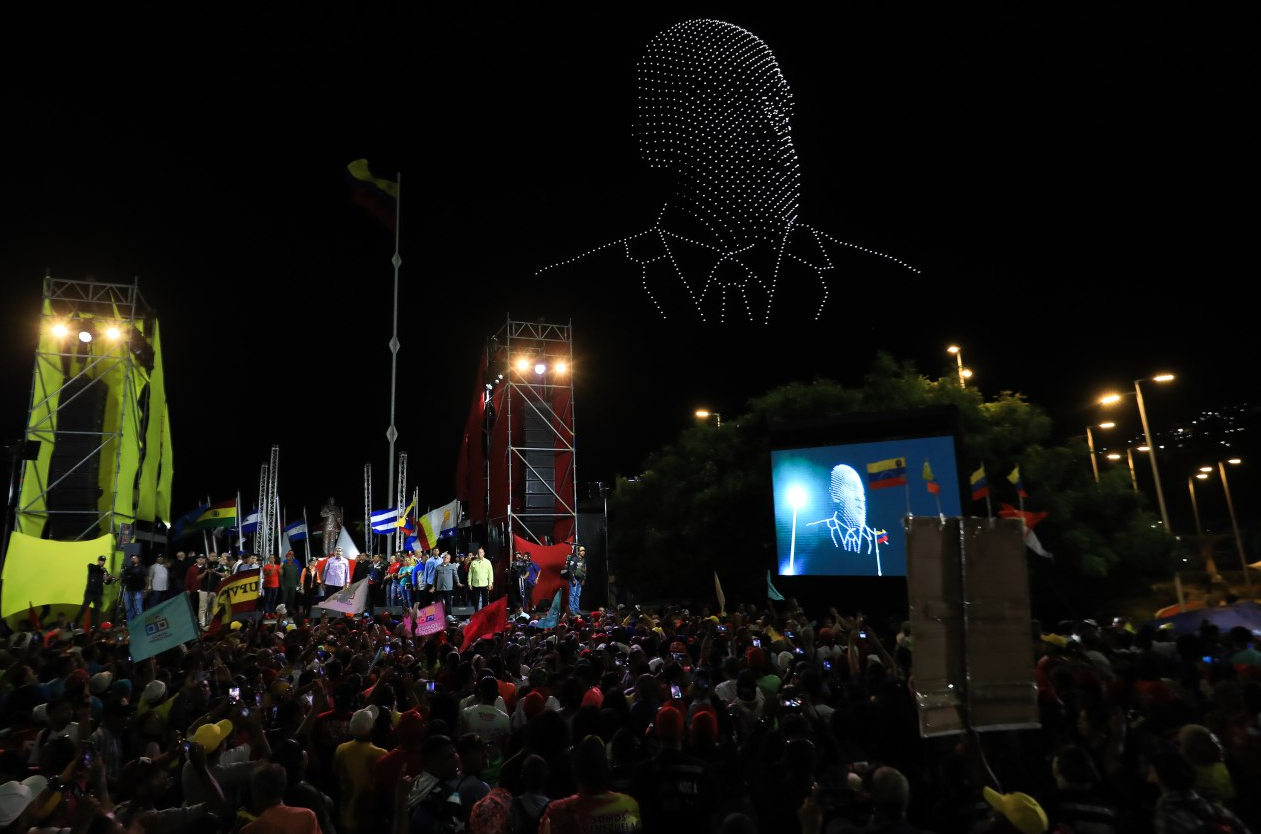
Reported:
(431, 565)
(406, 580)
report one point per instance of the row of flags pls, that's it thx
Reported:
(419, 533)
(892, 472)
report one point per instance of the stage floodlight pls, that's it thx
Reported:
(561, 367)
(85, 336)
(113, 333)
(540, 368)
(60, 329)
(523, 364)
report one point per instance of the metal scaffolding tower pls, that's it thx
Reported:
(532, 488)
(94, 441)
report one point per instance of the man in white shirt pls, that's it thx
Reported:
(159, 581)
(336, 573)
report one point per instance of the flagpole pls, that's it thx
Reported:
(239, 534)
(392, 433)
(307, 540)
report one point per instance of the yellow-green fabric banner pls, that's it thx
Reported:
(119, 458)
(157, 445)
(45, 572)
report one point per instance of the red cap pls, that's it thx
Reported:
(755, 658)
(533, 704)
(669, 723)
(593, 697)
(704, 727)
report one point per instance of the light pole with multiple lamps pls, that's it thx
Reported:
(964, 373)
(1147, 436)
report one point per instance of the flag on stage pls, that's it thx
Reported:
(552, 617)
(1032, 542)
(250, 524)
(377, 196)
(882, 536)
(296, 531)
(490, 620)
(384, 521)
(349, 600)
(221, 514)
(1014, 477)
(886, 473)
(930, 482)
(403, 519)
(409, 528)
(164, 626)
(771, 593)
(187, 522)
(979, 487)
(429, 620)
(438, 523)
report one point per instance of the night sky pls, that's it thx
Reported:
(1070, 189)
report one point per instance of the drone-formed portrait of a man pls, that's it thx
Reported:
(728, 245)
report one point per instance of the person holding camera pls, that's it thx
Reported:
(575, 571)
(94, 591)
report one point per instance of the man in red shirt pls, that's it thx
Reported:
(192, 576)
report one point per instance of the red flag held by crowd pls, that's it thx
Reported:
(490, 620)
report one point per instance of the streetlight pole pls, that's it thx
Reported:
(1151, 448)
(1195, 507)
(703, 414)
(1129, 455)
(1094, 462)
(1234, 524)
(964, 373)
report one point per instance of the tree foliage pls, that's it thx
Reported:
(704, 502)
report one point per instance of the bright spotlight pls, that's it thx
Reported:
(562, 367)
(796, 496)
(540, 368)
(85, 336)
(113, 333)
(523, 364)
(60, 329)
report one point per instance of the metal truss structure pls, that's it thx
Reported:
(530, 394)
(89, 411)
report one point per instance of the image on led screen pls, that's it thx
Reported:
(839, 509)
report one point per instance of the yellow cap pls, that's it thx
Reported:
(1020, 809)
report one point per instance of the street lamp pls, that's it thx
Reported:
(1090, 442)
(705, 414)
(964, 373)
(1230, 505)
(1195, 506)
(1147, 437)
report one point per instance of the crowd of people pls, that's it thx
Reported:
(761, 718)
(402, 580)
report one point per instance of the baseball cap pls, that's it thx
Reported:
(669, 723)
(15, 796)
(1020, 809)
(210, 736)
(361, 722)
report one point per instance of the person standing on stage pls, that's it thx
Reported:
(431, 565)
(290, 575)
(159, 582)
(94, 591)
(576, 572)
(446, 577)
(336, 573)
(135, 579)
(481, 579)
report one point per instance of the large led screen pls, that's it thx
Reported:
(839, 509)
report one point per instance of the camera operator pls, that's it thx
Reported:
(576, 573)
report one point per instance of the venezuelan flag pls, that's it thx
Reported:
(886, 473)
(980, 489)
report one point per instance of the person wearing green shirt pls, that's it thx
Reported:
(481, 578)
